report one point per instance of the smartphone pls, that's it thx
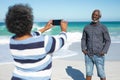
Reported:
(56, 22)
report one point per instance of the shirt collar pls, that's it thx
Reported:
(94, 23)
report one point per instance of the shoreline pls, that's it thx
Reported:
(72, 52)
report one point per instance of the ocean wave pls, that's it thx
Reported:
(71, 37)
(4, 40)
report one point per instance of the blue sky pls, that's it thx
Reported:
(71, 10)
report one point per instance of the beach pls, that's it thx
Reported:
(68, 63)
(73, 67)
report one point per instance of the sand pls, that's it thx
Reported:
(68, 70)
(73, 68)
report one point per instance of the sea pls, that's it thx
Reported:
(74, 33)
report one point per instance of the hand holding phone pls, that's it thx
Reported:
(63, 26)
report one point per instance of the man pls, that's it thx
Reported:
(31, 51)
(95, 43)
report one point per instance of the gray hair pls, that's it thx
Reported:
(97, 10)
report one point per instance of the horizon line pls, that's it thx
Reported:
(78, 21)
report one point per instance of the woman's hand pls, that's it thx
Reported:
(47, 26)
(63, 25)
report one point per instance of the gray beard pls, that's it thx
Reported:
(96, 21)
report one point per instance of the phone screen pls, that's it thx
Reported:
(56, 22)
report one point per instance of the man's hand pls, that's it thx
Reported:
(102, 54)
(84, 51)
